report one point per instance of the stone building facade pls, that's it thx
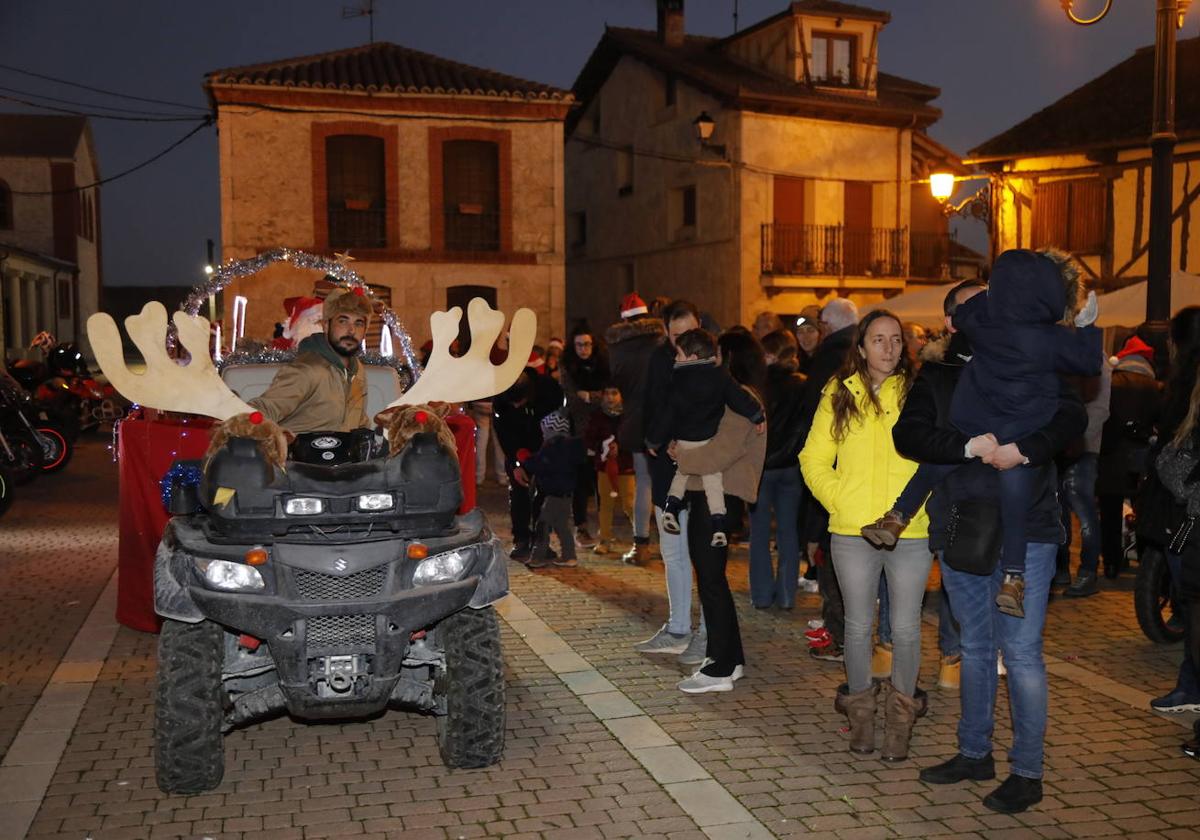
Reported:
(50, 276)
(443, 181)
(811, 184)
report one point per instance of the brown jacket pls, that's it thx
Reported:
(737, 452)
(313, 393)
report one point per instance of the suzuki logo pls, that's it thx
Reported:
(339, 564)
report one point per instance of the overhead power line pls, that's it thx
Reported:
(207, 122)
(138, 111)
(69, 83)
(93, 115)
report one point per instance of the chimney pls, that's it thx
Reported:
(670, 22)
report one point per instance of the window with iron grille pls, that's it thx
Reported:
(1070, 215)
(354, 179)
(471, 195)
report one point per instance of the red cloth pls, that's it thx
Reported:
(146, 449)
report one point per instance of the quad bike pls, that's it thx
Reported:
(325, 592)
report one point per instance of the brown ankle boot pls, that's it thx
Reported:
(886, 530)
(860, 712)
(1011, 600)
(639, 555)
(899, 714)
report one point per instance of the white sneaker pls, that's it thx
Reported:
(806, 585)
(664, 642)
(816, 623)
(738, 670)
(699, 683)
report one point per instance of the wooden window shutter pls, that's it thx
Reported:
(1087, 216)
(1050, 213)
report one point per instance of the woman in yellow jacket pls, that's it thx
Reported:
(851, 466)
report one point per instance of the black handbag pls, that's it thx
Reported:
(973, 536)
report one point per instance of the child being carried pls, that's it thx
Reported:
(699, 392)
(1010, 388)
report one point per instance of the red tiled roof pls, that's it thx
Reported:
(385, 68)
(702, 62)
(1112, 110)
(38, 135)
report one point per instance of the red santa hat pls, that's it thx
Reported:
(1136, 347)
(632, 305)
(298, 308)
(536, 361)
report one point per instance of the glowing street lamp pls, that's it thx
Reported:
(941, 184)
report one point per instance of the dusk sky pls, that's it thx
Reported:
(996, 61)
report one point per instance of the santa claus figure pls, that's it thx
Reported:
(304, 319)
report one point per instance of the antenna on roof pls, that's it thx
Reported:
(366, 10)
(735, 16)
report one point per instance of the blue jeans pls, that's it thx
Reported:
(984, 629)
(779, 491)
(949, 641)
(677, 563)
(641, 497)
(1078, 487)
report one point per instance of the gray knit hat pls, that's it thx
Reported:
(555, 424)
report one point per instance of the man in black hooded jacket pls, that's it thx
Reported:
(924, 432)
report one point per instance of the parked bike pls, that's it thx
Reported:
(7, 489)
(64, 382)
(20, 415)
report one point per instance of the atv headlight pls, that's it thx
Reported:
(441, 568)
(302, 506)
(222, 574)
(376, 501)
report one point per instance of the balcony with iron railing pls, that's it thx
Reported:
(838, 251)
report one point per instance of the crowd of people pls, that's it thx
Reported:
(856, 451)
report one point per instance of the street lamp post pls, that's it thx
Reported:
(1170, 14)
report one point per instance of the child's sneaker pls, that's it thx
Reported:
(670, 522)
(886, 530)
(719, 538)
(568, 562)
(1011, 600)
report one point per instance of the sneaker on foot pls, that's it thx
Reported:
(831, 652)
(539, 562)
(664, 641)
(568, 562)
(959, 769)
(806, 585)
(1011, 600)
(584, 538)
(1084, 585)
(602, 547)
(738, 670)
(699, 683)
(694, 653)
(520, 551)
(816, 623)
(1176, 702)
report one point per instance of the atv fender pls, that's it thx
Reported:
(171, 569)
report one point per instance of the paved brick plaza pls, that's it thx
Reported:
(600, 743)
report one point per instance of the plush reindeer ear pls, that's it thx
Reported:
(472, 376)
(195, 388)
(441, 409)
(384, 418)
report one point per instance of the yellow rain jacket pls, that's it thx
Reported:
(859, 479)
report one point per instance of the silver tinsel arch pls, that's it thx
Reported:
(334, 268)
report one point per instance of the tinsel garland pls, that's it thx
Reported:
(186, 473)
(258, 354)
(338, 269)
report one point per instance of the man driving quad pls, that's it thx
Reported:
(324, 387)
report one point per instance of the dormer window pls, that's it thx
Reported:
(833, 59)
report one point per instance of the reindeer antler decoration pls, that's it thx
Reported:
(196, 388)
(472, 376)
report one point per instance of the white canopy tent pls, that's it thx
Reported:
(923, 305)
(1127, 307)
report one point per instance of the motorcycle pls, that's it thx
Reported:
(21, 415)
(20, 454)
(7, 487)
(64, 382)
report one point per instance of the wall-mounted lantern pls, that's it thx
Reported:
(705, 125)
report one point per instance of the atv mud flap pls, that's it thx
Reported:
(297, 632)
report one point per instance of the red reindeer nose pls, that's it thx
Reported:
(421, 416)
(256, 417)
(358, 290)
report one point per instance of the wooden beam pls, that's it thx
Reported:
(1108, 256)
(1185, 226)
(1139, 209)
(1189, 199)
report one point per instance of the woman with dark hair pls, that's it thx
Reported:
(746, 361)
(781, 487)
(849, 461)
(1161, 517)
(584, 376)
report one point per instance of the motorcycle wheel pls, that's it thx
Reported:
(1152, 598)
(57, 450)
(26, 462)
(7, 488)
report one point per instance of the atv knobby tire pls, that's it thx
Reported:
(471, 733)
(189, 754)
